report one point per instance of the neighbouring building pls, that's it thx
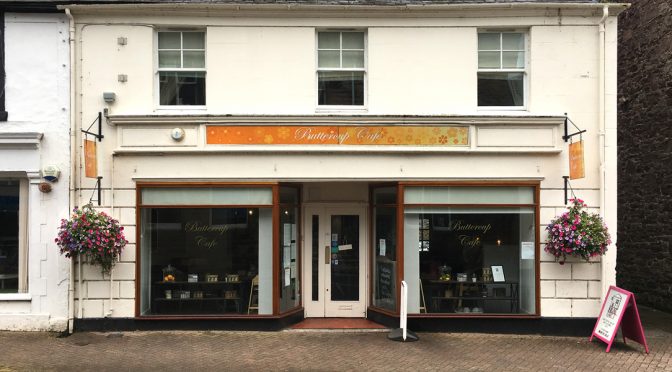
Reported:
(34, 143)
(644, 191)
(277, 160)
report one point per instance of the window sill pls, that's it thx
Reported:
(502, 109)
(180, 109)
(15, 297)
(347, 110)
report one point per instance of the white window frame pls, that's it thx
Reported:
(335, 108)
(157, 70)
(524, 70)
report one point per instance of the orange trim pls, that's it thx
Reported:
(337, 135)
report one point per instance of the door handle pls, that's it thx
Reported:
(327, 255)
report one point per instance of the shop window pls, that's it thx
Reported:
(202, 258)
(13, 247)
(181, 68)
(340, 68)
(501, 69)
(482, 257)
(289, 281)
(385, 248)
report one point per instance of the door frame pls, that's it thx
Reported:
(318, 309)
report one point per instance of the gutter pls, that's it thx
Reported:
(403, 10)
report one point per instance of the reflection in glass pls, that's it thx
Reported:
(182, 88)
(500, 89)
(385, 257)
(455, 274)
(344, 258)
(206, 261)
(289, 258)
(341, 88)
(488, 41)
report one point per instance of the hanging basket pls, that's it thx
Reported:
(577, 233)
(92, 236)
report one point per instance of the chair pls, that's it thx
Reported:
(254, 295)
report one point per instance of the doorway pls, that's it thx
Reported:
(335, 242)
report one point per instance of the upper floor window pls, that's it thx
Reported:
(181, 68)
(501, 69)
(340, 68)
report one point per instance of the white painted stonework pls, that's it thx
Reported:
(37, 134)
(421, 67)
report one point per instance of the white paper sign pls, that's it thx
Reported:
(497, 274)
(382, 246)
(287, 276)
(292, 270)
(527, 250)
(345, 247)
(286, 256)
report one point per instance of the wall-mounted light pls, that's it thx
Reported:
(109, 97)
(499, 242)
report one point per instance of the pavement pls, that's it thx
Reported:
(342, 350)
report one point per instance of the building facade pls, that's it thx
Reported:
(272, 162)
(34, 143)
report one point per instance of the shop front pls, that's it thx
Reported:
(339, 249)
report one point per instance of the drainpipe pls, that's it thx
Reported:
(73, 168)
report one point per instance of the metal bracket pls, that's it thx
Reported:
(98, 186)
(98, 135)
(567, 135)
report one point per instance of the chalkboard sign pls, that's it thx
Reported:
(385, 283)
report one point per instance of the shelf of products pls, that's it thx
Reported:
(452, 296)
(200, 297)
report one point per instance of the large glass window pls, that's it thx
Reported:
(290, 284)
(501, 69)
(385, 248)
(181, 68)
(204, 259)
(340, 68)
(471, 259)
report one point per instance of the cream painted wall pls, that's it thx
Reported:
(260, 70)
(430, 71)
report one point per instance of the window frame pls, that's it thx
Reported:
(158, 70)
(347, 108)
(524, 70)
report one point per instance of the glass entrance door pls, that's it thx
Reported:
(335, 261)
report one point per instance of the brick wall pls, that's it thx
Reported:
(645, 149)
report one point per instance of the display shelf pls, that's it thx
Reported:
(182, 282)
(198, 299)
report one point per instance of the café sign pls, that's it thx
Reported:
(338, 135)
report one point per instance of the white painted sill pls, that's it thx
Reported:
(16, 297)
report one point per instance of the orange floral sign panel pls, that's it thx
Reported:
(338, 135)
(90, 166)
(576, 164)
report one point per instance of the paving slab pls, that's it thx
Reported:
(294, 350)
